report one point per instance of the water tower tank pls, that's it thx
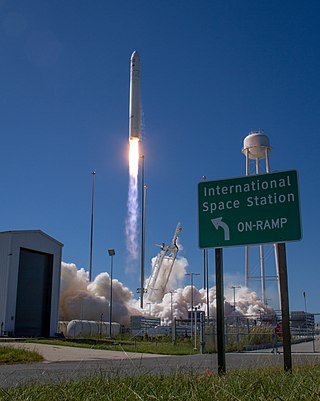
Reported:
(256, 145)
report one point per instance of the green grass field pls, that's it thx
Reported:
(242, 385)
(11, 355)
(162, 346)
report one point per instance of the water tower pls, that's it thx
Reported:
(256, 148)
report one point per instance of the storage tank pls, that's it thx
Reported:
(90, 328)
(256, 145)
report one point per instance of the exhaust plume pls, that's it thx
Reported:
(133, 206)
(80, 299)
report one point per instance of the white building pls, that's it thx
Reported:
(30, 270)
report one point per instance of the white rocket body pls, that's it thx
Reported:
(134, 100)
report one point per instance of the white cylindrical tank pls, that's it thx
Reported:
(90, 328)
(256, 145)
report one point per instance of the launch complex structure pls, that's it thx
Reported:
(157, 284)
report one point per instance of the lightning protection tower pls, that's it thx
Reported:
(256, 148)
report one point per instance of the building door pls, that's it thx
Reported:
(33, 307)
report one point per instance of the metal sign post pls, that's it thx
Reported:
(220, 311)
(283, 281)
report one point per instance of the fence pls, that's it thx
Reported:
(249, 332)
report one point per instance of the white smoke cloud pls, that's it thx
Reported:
(171, 274)
(80, 299)
(247, 304)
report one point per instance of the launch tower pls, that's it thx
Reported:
(162, 269)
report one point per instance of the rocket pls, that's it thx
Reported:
(134, 99)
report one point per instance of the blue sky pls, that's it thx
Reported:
(211, 71)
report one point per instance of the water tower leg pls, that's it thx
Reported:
(267, 160)
(247, 248)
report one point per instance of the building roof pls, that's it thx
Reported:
(18, 232)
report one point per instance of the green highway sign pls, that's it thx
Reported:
(255, 209)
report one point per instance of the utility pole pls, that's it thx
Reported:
(111, 253)
(234, 287)
(91, 228)
(191, 275)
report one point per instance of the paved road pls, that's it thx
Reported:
(68, 363)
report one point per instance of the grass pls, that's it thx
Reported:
(245, 385)
(161, 346)
(239, 341)
(12, 355)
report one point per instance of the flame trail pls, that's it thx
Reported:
(133, 206)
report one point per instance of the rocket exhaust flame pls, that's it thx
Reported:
(133, 157)
(133, 206)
